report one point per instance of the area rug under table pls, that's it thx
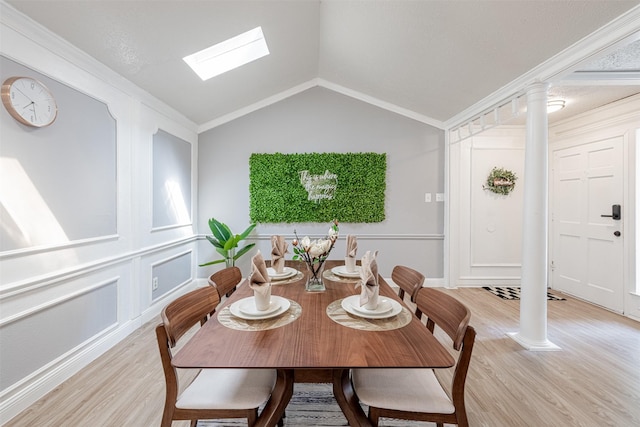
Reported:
(513, 293)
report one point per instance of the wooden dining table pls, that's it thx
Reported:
(313, 341)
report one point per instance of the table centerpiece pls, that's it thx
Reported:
(314, 254)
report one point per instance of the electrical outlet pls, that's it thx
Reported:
(439, 197)
(427, 197)
(154, 284)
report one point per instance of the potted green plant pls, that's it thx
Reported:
(226, 242)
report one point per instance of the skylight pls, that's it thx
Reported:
(229, 54)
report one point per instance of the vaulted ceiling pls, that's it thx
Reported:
(434, 58)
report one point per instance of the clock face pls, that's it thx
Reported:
(29, 101)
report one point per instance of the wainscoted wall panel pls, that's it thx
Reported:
(76, 261)
(166, 156)
(171, 180)
(171, 273)
(49, 197)
(36, 338)
(496, 218)
(488, 227)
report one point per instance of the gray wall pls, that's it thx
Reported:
(320, 120)
(64, 174)
(171, 180)
(171, 273)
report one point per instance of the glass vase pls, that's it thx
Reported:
(314, 277)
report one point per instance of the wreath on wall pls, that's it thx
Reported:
(500, 181)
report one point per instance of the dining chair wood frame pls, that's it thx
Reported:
(226, 280)
(179, 317)
(452, 317)
(409, 282)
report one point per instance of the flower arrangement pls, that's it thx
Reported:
(315, 253)
(500, 181)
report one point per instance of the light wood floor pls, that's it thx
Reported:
(593, 381)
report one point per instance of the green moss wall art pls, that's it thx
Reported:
(317, 187)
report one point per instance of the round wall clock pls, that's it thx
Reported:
(29, 101)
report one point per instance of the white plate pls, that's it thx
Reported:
(248, 306)
(282, 305)
(341, 270)
(287, 272)
(349, 302)
(384, 305)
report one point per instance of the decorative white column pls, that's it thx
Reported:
(533, 291)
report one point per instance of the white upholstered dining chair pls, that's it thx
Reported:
(214, 393)
(416, 394)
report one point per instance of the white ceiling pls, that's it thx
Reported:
(434, 58)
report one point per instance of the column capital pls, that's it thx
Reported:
(537, 87)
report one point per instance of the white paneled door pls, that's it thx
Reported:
(587, 240)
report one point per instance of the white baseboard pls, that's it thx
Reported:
(484, 281)
(22, 395)
(437, 282)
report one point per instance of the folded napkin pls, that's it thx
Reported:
(352, 245)
(259, 279)
(278, 249)
(368, 278)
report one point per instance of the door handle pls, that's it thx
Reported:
(615, 213)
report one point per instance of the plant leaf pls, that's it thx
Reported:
(218, 261)
(214, 242)
(220, 231)
(246, 232)
(232, 242)
(222, 252)
(244, 250)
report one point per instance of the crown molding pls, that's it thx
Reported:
(381, 104)
(327, 85)
(257, 105)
